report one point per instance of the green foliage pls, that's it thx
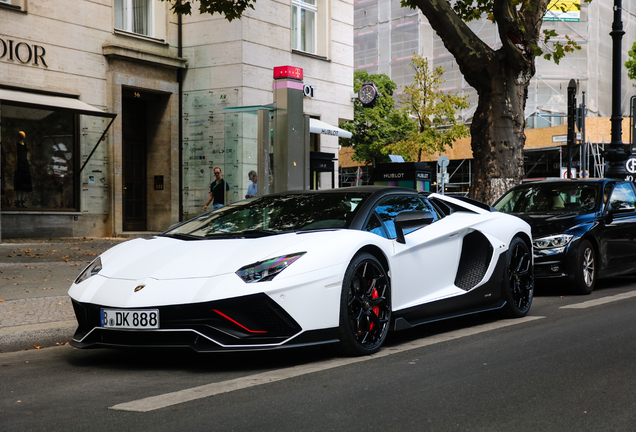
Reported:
(558, 49)
(232, 9)
(434, 113)
(470, 10)
(374, 128)
(631, 63)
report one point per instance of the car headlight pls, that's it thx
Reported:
(268, 269)
(92, 269)
(552, 242)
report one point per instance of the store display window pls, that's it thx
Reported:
(39, 159)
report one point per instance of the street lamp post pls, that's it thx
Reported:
(571, 122)
(618, 153)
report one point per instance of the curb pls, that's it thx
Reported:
(43, 335)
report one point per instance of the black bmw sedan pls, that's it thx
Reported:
(582, 229)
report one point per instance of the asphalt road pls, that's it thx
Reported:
(569, 366)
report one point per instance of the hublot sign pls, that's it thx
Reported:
(423, 175)
(393, 175)
(22, 52)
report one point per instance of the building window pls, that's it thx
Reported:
(134, 16)
(304, 25)
(18, 5)
(39, 159)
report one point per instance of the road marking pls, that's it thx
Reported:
(600, 301)
(174, 398)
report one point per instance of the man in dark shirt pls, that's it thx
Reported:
(219, 191)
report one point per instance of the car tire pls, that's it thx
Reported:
(519, 280)
(585, 268)
(365, 306)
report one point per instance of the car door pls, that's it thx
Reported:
(619, 237)
(424, 267)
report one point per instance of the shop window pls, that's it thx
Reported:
(39, 159)
(135, 16)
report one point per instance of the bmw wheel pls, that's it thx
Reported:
(365, 306)
(519, 280)
(585, 269)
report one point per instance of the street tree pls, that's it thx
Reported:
(500, 76)
(434, 112)
(374, 128)
(631, 63)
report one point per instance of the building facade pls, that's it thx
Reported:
(115, 114)
(230, 75)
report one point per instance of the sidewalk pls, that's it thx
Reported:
(35, 275)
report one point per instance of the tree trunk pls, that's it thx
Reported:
(501, 79)
(497, 133)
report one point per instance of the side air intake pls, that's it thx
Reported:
(474, 260)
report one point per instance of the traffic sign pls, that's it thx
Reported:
(443, 161)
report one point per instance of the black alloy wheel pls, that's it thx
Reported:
(519, 280)
(365, 306)
(585, 268)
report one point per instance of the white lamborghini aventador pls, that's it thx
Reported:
(340, 266)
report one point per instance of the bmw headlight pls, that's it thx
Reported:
(552, 242)
(268, 269)
(92, 269)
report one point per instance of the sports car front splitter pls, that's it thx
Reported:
(238, 324)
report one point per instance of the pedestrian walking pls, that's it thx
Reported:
(219, 191)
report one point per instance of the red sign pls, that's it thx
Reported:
(288, 72)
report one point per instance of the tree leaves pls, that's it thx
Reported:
(374, 128)
(231, 9)
(434, 112)
(631, 63)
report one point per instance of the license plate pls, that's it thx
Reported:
(130, 318)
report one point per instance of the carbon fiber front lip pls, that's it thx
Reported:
(188, 338)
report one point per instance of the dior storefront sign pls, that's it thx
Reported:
(22, 52)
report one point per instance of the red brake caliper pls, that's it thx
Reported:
(376, 308)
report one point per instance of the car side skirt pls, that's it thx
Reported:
(486, 297)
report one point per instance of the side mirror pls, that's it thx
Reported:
(411, 219)
(622, 207)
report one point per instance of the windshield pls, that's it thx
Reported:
(550, 198)
(275, 214)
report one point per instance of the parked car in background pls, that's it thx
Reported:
(582, 230)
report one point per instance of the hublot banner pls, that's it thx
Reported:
(22, 52)
(416, 175)
(419, 175)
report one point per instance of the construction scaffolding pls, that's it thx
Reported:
(387, 36)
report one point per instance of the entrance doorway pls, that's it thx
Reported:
(134, 143)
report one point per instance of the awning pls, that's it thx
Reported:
(318, 127)
(59, 103)
(48, 102)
